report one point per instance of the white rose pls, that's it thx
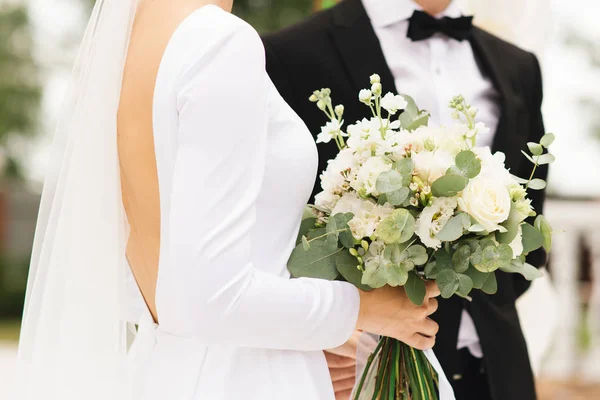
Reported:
(431, 165)
(517, 244)
(392, 103)
(326, 200)
(488, 201)
(433, 218)
(366, 179)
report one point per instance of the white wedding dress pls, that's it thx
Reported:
(236, 166)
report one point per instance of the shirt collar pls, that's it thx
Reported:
(387, 12)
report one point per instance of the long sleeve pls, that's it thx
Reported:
(218, 173)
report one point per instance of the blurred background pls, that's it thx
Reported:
(38, 42)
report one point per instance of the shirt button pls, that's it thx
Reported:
(457, 377)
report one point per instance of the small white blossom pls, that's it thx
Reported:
(393, 103)
(339, 110)
(367, 214)
(414, 186)
(376, 88)
(329, 131)
(322, 105)
(365, 96)
(375, 78)
(326, 200)
(414, 202)
(366, 179)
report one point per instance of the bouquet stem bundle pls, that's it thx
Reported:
(396, 371)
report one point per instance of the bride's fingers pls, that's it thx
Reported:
(428, 328)
(338, 374)
(432, 289)
(336, 361)
(343, 385)
(343, 395)
(432, 306)
(421, 342)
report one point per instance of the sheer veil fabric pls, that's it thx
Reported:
(73, 335)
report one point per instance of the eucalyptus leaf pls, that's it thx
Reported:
(528, 271)
(465, 285)
(546, 159)
(477, 228)
(305, 244)
(490, 286)
(398, 197)
(389, 181)
(431, 270)
(520, 180)
(448, 185)
(415, 289)
(468, 164)
(443, 260)
(375, 275)
(547, 140)
(397, 275)
(397, 228)
(417, 254)
(535, 148)
(347, 266)
(448, 282)
(406, 167)
(492, 258)
(512, 226)
(305, 226)
(533, 239)
(478, 278)
(341, 222)
(421, 120)
(461, 258)
(411, 111)
(317, 262)
(542, 225)
(453, 229)
(382, 199)
(537, 184)
(528, 157)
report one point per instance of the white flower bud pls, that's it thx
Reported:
(376, 88)
(455, 115)
(473, 111)
(414, 202)
(321, 104)
(353, 252)
(364, 244)
(339, 110)
(375, 79)
(414, 186)
(365, 96)
(313, 98)
(426, 189)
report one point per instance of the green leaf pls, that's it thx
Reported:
(313, 233)
(375, 275)
(382, 199)
(490, 286)
(347, 266)
(448, 282)
(542, 225)
(535, 148)
(491, 257)
(461, 258)
(512, 226)
(468, 164)
(417, 254)
(465, 285)
(415, 289)
(397, 228)
(520, 180)
(546, 159)
(528, 271)
(453, 229)
(431, 270)
(537, 184)
(306, 225)
(533, 239)
(547, 140)
(478, 278)
(389, 181)
(421, 120)
(397, 197)
(317, 262)
(397, 275)
(449, 185)
(410, 113)
(341, 222)
(527, 156)
(305, 244)
(406, 167)
(443, 260)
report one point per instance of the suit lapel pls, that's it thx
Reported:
(355, 39)
(508, 138)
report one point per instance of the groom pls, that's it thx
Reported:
(480, 343)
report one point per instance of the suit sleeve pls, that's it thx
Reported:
(538, 257)
(218, 175)
(278, 71)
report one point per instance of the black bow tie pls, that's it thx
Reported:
(422, 26)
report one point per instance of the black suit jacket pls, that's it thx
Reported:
(338, 49)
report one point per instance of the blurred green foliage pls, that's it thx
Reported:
(20, 91)
(271, 15)
(13, 280)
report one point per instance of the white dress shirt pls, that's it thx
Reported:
(432, 71)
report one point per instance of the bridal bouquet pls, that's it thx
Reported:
(404, 202)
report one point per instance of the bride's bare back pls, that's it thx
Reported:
(154, 25)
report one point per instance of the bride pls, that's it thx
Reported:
(176, 159)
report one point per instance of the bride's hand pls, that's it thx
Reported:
(342, 366)
(389, 312)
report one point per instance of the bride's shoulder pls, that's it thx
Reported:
(210, 29)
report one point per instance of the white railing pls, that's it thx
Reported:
(577, 224)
